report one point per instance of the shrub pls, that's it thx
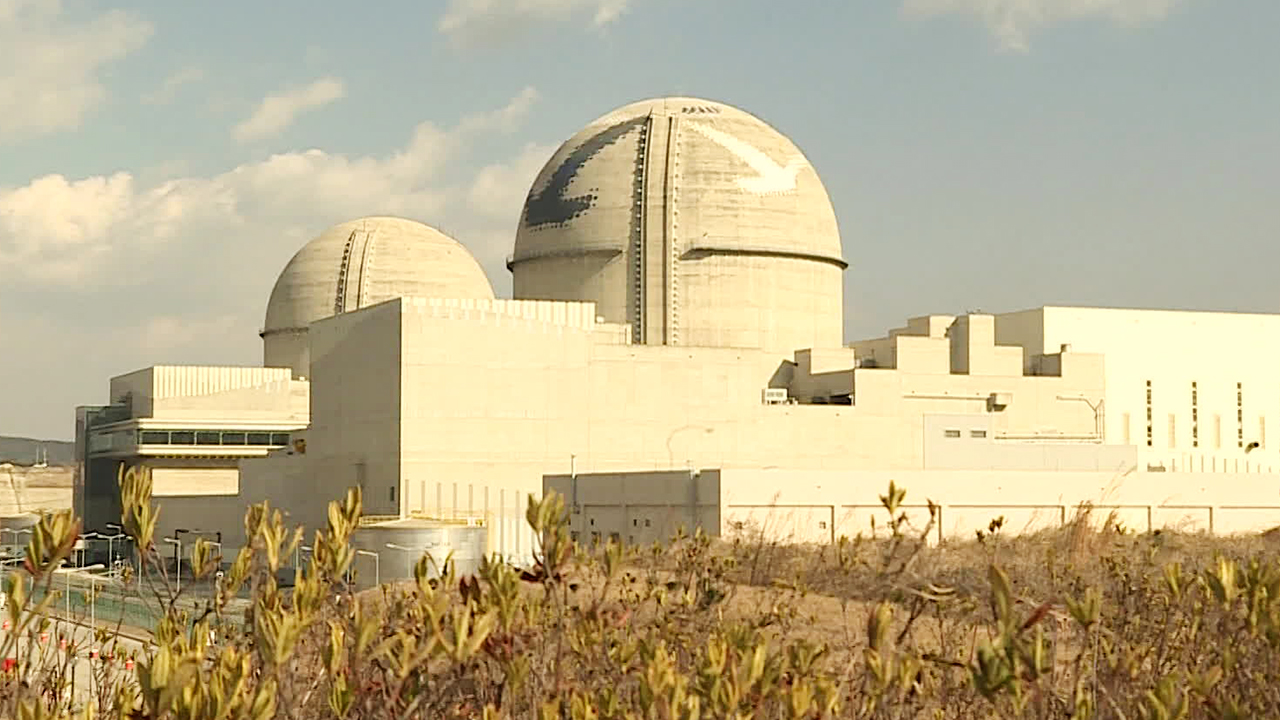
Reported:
(1076, 622)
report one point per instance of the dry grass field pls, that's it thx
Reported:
(1086, 621)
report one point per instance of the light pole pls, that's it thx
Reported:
(217, 544)
(179, 556)
(111, 555)
(91, 536)
(404, 549)
(14, 532)
(297, 554)
(377, 577)
(120, 535)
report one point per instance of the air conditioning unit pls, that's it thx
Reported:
(775, 396)
(1000, 400)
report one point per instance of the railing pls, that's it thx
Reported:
(104, 599)
(367, 520)
(459, 517)
(467, 518)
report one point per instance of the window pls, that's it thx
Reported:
(953, 433)
(635, 522)
(593, 521)
(822, 524)
(234, 438)
(646, 523)
(1195, 415)
(153, 437)
(1239, 414)
(977, 433)
(393, 493)
(1150, 417)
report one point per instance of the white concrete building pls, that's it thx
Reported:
(678, 304)
(1194, 391)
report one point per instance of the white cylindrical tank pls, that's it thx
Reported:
(696, 223)
(360, 263)
(399, 544)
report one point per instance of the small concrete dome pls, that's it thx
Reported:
(694, 222)
(360, 263)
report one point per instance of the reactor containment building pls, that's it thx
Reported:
(673, 356)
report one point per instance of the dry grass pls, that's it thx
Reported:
(1086, 621)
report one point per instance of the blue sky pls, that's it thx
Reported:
(161, 161)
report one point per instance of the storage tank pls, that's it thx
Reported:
(399, 544)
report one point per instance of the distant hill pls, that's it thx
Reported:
(22, 451)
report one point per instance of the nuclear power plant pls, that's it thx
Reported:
(673, 357)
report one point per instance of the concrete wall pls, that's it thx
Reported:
(820, 506)
(447, 408)
(354, 439)
(638, 508)
(970, 442)
(464, 407)
(198, 393)
(283, 480)
(183, 477)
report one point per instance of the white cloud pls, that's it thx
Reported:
(111, 273)
(505, 120)
(107, 230)
(53, 80)
(471, 20)
(1013, 21)
(499, 187)
(164, 94)
(278, 111)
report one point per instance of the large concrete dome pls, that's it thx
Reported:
(694, 222)
(356, 264)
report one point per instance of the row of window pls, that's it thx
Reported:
(972, 433)
(1195, 418)
(235, 438)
